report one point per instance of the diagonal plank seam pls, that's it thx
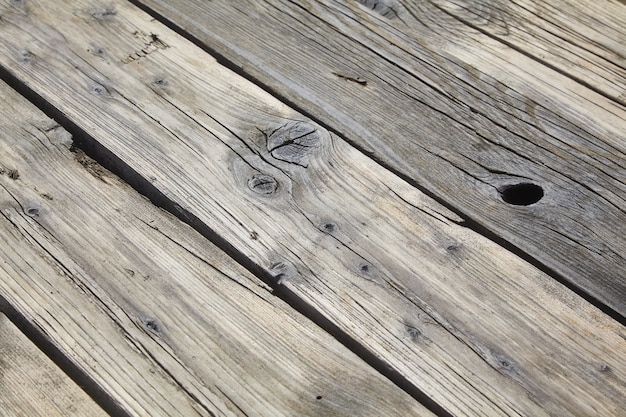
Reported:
(107, 159)
(470, 223)
(39, 338)
(485, 348)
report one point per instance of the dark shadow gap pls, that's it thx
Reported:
(45, 345)
(471, 222)
(110, 161)
(113, 163)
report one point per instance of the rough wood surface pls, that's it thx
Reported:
(584, 40)
(32, 386)
(471, 325)
(458, 110)
(164, 322)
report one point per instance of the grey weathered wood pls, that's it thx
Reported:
(31, 385)
(160, 319)
(455, 110)
(478, 330)
(582, 39)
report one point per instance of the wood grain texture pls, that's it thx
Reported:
(31, 385)
(471, 325)
(164, 322)
(454, 110)
(581, 39)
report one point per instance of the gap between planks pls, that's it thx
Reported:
(335, 151)
(31, 385)
(561, 245)
(147, 315)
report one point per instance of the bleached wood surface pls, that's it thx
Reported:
(471, 325)
(31, 385)
(433, 90)
(161, 321)
(581, 39)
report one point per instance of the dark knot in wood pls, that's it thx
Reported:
(293, 142)
(282, 271)
(385, 8)
(103, 13)
(263, 184)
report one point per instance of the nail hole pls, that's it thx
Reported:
(151, 324)
(160, 82)
(14, 174)
(99, 90)
(26, 57)
(99, 51)
(523, 194)
(453, 247)
(32, 211)
(329, 227)
(319, 397)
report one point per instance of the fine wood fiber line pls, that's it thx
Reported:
(471, 116)
(155, 319)
(581, 40)
(467, 323)
(31, 385)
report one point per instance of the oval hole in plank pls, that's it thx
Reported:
(522, 194)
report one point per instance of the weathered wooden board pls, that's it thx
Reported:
(456, 111)
(31, 385)
(581, 39)
(474, 327)
(160, 319)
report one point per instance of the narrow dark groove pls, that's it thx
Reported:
(113, 163)
(81, 378)
(361, 351)
(484, 231)
(471, 222)
(110, 161)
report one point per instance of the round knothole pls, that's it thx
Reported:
(523, 194)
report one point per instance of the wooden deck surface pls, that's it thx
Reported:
(313, 208)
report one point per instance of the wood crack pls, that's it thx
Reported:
(543, 62)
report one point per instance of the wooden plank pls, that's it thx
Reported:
(457, 112)
(581, 39)
(158, 318)
(31, 385)
(475, 328)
